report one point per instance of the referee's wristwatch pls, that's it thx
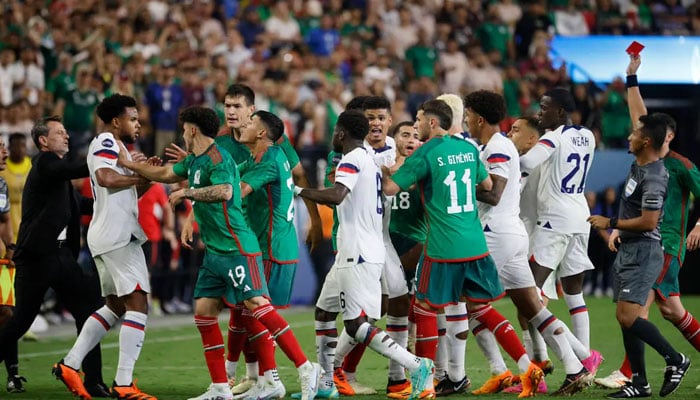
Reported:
(612, 223)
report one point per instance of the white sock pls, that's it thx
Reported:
(251, 370)
(130, 343)
(380, 342)
(581, 351)
(94, 329)
(527, 343)
(326, 342)
(345, 345)
(441, 356)
(271, 376)
(547, 324)
(231, 369)
(579, 317)
(539, 347)
(397, 329)
(488, 345)
(457, 323)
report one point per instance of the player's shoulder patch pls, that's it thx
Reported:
(107, 143)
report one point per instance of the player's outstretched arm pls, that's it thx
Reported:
(536, 156)
(333, 195)
(315, 236)
(157, 173)
(635, 102)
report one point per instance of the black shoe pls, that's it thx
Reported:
(98, 390)
(574, 383)
(447, 387)
(630, 391)
(674, 375)
(14, 384)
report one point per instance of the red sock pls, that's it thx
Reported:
(213, 343)
(249, 351)
(236, 334)
(261, 342)
(625, 368)
(426, 332)
(352, 359)
(502, 329)
(411, 315)
(279, 329)
(690, 328)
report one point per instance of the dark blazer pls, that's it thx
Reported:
(50, 203)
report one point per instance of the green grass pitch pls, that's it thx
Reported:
(172, 365)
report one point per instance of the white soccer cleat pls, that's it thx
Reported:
(263, 390)
(309, 376)
(615, 380)
(215, 392)
(243, 386)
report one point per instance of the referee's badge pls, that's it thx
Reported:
(629, 188)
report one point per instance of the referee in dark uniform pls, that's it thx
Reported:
(640, 258)
(47, 246)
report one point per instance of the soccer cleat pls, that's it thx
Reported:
(14, 384)
(215, 392)
(71, 378)
(399, 390)
(574, 383)
(447, 387)
(309, 376)
(615, 380)
(546, 366)
(674, 375)
(439, 378)
(518, 388)
(420, 380)
(243, 386)
(530, 380)
(264, 390)
(98, 390)
(592, 363)
(347, 387)
(495, 383)
(130, 392)
(628, 391)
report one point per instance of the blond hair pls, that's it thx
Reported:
(457, 107)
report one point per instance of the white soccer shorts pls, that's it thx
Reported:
(393, 278)
(352, 290)
(123, 271)
(565, 254)
(509, 252)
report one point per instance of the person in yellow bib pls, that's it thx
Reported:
(15, 174)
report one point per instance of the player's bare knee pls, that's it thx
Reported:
(351, 326)
(323, 315)
(572, 284)
(462, 335)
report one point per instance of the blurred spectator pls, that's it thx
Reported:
(381, 71)
(250, 26)
(639, 16)
(164, 97)
(17, 120)
(421, 58)
(509, 12)
(323, 40)
(609, 20)
(282, 27)
(9, 75)
(402, 36)
(32, 81)
(482, 74)
(454, 66)
(671, 17)
(535, 19)
(615, 119)
(18, 166)
(570, 21)
(494, 34)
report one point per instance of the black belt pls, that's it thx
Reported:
(61, 243)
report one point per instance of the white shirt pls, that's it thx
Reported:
(115, 218)
(500, 157)
(566, 155)
(384, 157)
(528, 200)
(360, 213)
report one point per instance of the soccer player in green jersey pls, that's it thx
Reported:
(448, 173)
(684, 178)
(232, 267)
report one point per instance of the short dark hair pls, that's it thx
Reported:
(356, 103)
(15, 137)
(273, 125)
(354, 123)
(203, 118)
(670, 122)
(241, 90)
(440, 109)
(563, 98)
(395, 129)
(41, 128)
(532, 122)
(113, 106)
(376, 103)
(654, 127)
(490, 105)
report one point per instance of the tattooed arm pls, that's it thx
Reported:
(209, 194)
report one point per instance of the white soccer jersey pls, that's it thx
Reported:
(383, 156)
(566, 154)
(501, 158)
(115, 218)
(360, 214)
(528, 200)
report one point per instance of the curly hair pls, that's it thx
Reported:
(203, 118)
(490, 105)
(354, 123)
(114, 106)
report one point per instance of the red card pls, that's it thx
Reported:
(635, 48)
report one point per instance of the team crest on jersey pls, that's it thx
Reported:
(629, 188)
(197, 175)
(108, 143)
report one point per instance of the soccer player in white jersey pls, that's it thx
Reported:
(507, 241)
(115, 239)
(353, 285)
(560, 240)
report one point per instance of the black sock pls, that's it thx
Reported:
(634, 347)
(12, 370)
(650, 334)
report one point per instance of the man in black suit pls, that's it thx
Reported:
(47, 246)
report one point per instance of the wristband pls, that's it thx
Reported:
(631, 81)
(11, 246)
(613, 222)
(297, 190)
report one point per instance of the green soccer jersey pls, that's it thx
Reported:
(289, 150)
(241, 155)
(221, 225)
(407, 215)
(270, 207)
(333, 160)
(683, 179)
(447, 170)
